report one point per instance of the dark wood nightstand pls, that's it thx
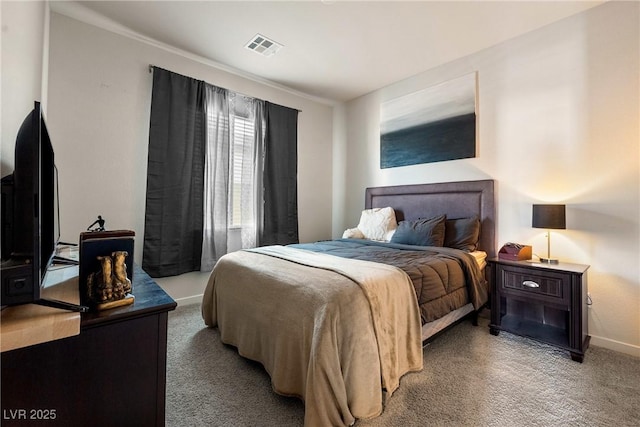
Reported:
(546, 302)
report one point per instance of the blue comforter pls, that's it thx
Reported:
(444, 279)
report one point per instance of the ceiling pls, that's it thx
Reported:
(333, 50)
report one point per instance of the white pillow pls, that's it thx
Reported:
(378, 223)
(352, 233)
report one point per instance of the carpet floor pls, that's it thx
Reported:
(470, 378)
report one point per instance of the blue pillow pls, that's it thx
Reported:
(463, 233)
(421, 232)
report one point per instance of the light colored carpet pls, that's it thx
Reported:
(471, 378)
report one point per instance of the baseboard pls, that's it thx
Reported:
(621, 347)
(194, 299)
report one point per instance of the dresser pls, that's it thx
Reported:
(545, 302)
(112, 373)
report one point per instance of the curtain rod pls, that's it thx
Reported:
(151, 67)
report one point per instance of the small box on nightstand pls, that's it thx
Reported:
(515, 252)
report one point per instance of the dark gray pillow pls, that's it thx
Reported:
(421, 232)
(462, 233)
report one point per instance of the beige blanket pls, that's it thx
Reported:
(332, 331)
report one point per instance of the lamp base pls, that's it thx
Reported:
(549, 260)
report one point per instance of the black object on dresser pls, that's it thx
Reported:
(546, 302)
(113, 373)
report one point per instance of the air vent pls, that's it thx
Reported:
(263, 45)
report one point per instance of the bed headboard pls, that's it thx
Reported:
(455, 199)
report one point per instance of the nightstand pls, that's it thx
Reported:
(546, 302)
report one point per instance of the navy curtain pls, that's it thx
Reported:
(175, 176)
(280, 176)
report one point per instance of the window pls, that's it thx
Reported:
(241, 168)
(232, 209)
(231, 121)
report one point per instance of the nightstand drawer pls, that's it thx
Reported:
(548, 286)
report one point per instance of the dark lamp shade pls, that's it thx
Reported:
(549, 216)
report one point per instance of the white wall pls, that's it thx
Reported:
(99, 107)
(24, 42)
(558, 122)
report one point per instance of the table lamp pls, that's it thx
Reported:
(549, 217)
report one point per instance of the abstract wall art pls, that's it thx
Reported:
(431, 125)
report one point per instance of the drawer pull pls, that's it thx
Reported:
(530, 284)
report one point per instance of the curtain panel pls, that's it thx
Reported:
(280, 224)
(175, 176)
(216, 172)
(233, 173)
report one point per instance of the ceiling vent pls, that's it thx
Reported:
(263, 45)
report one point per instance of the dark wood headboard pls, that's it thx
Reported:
(455, 199)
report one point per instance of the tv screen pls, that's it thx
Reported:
(30, 214)
(28, 246)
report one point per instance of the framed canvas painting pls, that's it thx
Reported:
(431, 125)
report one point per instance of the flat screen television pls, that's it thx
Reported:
(30, 216)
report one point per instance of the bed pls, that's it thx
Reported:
(338, 323)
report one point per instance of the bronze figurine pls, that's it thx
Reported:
(99, 222)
